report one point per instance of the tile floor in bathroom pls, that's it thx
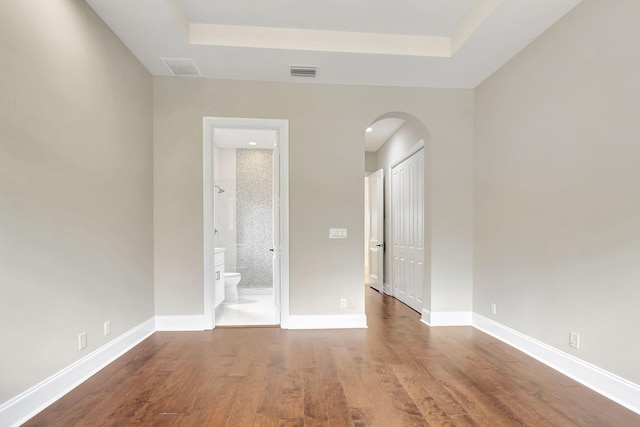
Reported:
(248, 310)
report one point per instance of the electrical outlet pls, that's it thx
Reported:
(494, 308)
(343, 303)
(574, 340)
(107, 327)
(82, 341)
(353, 304)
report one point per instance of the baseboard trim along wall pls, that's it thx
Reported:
(607, 384)
(180, 323)
(343, 321)
(446, 318)
(29, 403)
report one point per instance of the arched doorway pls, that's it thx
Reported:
(397, 208)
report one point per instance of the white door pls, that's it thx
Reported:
(407, 213)
(276, 229)
(376, 230)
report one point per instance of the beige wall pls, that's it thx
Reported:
(326, 124)
(370, 162)
(75, 188)
(557, 187)
(448, 266)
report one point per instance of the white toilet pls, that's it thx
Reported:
(231, 281)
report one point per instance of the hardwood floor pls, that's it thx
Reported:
(398, 372)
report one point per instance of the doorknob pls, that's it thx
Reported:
(380, 245)
(272, 250)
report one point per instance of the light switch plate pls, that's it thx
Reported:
(337, 233)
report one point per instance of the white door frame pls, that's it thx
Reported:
(410, 152)
(282, 127)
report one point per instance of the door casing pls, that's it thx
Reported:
(281, 273)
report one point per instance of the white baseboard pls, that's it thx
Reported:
(338, 321)
(180, 323)
(29, 403)
(607, 384)
(446, 318)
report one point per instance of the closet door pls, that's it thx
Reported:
(407, 210)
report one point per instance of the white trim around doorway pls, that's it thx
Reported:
(282, 127)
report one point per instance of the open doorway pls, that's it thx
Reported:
(376, 136)
(397, 213)
(245, 221)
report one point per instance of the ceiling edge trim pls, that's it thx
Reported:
(472, 22)
(316, 40)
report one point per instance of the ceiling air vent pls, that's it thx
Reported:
(303, 71)
(182, 67)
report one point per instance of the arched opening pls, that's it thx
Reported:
(397, 208)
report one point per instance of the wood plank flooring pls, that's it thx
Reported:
(398, 372)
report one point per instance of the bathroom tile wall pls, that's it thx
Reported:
(254, 210)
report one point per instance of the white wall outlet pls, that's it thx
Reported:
(107, 327)
(343, 303)
(82, 341)
(494, 309)
(574, 340)
(353, 304)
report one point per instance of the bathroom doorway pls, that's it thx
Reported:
(245, 221)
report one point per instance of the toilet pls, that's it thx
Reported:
(231, 281)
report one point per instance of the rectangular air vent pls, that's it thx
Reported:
(303, 71)
(182, 67)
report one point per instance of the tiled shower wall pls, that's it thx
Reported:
(254, 210)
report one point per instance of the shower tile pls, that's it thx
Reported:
(254, 209)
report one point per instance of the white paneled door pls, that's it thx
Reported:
(407, 216)
(376, 230)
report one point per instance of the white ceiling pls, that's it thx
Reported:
(380, 133)
(415, 43)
